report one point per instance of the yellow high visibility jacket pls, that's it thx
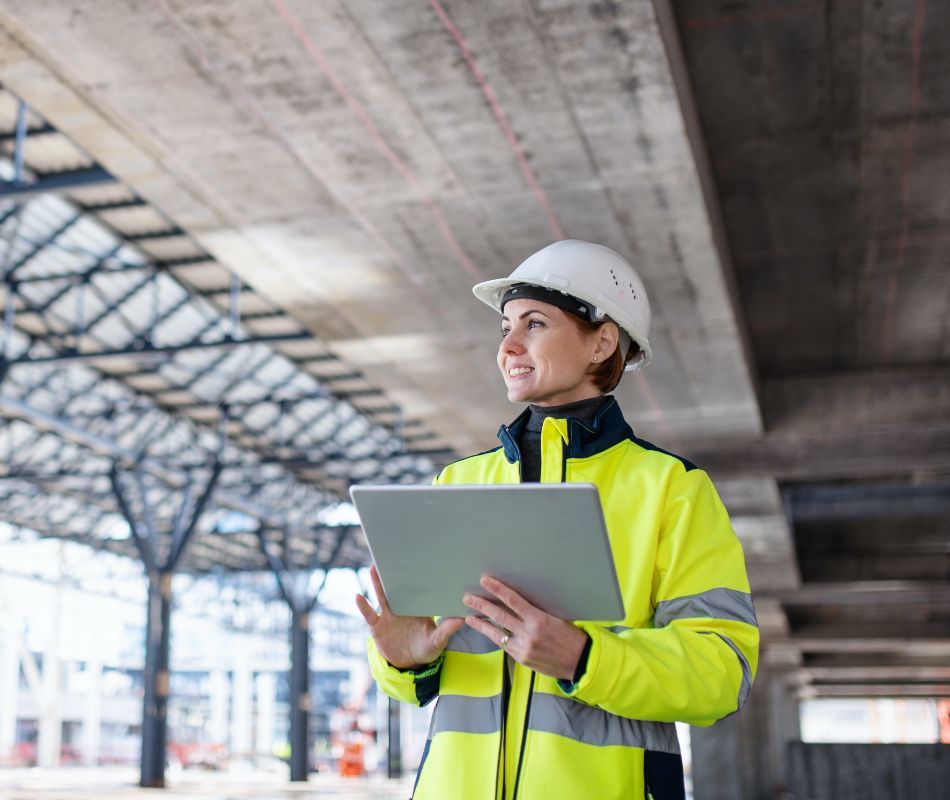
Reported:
(686, 651)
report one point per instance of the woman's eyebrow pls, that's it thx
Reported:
(529, 311)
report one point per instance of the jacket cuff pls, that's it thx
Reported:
(424, 671)
(568, 686)
(419, 686)
(595, 684)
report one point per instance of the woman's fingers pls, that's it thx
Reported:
(378, 588)
(368, 612)
(498, 614)
(489, 631)
(509, 597)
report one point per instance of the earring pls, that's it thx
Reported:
(595, 358)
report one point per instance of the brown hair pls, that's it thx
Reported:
(608, 374)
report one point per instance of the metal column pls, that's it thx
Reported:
(158, 621)
(301, 607)
(299, 695)
(157, 652)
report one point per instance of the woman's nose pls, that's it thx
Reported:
(512, 344)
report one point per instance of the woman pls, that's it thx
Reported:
(532, 706)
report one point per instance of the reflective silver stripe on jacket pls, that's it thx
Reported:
(461, 714)
(573, 720)
(469, 640)
(715, 604)
(746, 683)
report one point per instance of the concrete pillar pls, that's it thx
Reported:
(785, 721)
(92, 713)
(9, 686)
(242, 701)
(743, 757)
(266, 713)
(219, 691)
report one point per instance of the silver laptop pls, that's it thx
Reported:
(432, 544)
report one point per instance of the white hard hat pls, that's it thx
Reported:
(590, 272)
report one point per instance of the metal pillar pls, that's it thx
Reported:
(158, 621)
(157, 661)
(394, 740)
(301, 607)
(299, 694)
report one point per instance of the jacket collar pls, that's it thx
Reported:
(608, 428)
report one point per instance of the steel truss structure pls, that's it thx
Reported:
(154, 406)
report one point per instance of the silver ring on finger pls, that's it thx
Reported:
(503, 642)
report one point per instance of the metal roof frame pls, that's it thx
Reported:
(128, 378)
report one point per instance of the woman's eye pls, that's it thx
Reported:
(535, 322)
(505, 332)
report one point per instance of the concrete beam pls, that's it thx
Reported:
(862, 400)
(821, 502)
(829, 455)
(881, 674)
(930, 561)
(876, 690)
(903, 646)
(867, 423)
(866, 593)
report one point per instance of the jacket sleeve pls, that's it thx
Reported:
(696, 664)
(408, 686)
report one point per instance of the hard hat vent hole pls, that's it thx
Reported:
(628, 285)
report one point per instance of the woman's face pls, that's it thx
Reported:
(544, 356)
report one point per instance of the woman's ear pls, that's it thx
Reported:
(607, 340)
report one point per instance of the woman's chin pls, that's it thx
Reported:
(519, 394)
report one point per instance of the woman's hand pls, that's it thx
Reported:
(537, 640)
(405, 642)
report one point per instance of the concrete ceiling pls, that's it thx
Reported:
(775, 171)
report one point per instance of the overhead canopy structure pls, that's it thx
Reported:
(126, 346)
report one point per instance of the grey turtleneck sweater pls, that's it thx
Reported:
(530, 441)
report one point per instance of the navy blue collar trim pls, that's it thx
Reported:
(607, 429)
(510, 434)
